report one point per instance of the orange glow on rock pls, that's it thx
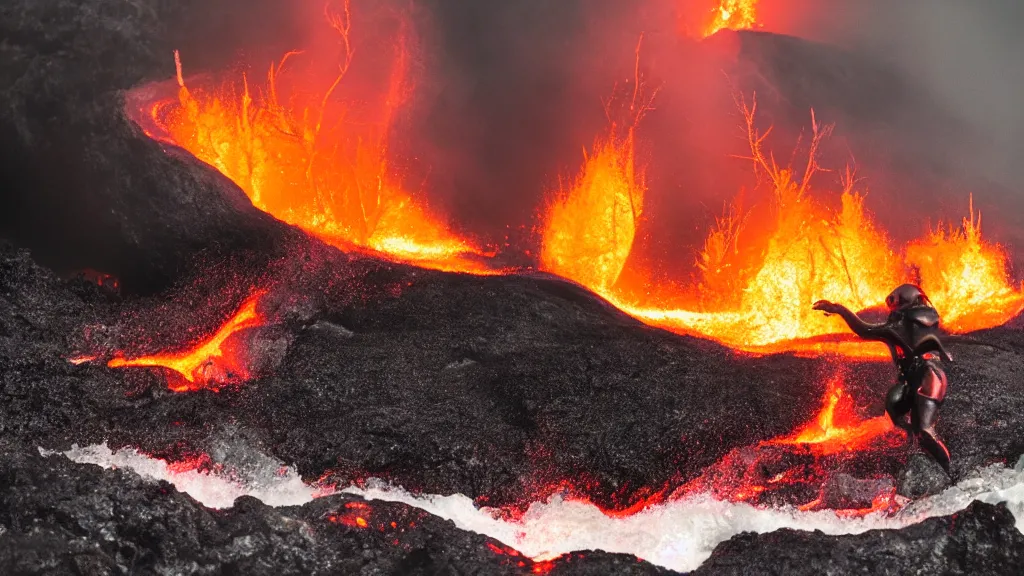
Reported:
(761, 269)
(209, 363)
(314, 151)
(79, 360)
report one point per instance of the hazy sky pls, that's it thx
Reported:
(969, 52)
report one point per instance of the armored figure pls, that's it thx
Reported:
(912, 334)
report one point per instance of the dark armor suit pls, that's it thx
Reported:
(912, 334)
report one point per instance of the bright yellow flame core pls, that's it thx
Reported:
(590, 228)
(760, 276)
(732, 15)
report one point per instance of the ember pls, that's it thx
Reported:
(211, 362)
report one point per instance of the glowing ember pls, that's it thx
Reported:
(79, 360)
(209, 362)
(761, 270)
(732, 15)
(311, 151)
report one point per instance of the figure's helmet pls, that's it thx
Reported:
(905, 296)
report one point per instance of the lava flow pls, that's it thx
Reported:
(314, 151)
(211, 362)
(797, 469)
(838, 428)
(762, 268)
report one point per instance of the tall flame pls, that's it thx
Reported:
(308, 156)
(966, 277)
(761, 269)
(589, 229)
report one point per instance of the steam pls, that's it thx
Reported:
(966, 53)
(678, 535)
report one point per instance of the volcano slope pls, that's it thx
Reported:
(496, 388)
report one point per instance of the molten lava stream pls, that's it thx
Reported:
(210, 362)
(801, 464)
(837, 427)
(311, 151)
(762, 269)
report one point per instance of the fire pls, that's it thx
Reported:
(965, 277)
(762, 268)
(210, 362)
(590, 228)
(799, 466)
(837, 427)
(732, 15)
(311, 151)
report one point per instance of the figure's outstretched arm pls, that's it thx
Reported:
(880, 332)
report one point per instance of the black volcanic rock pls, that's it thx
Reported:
(981, 539)
(921, 477)
(57, 517)
(84, 187)
(500, 388)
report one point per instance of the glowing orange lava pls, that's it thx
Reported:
(837, 427)
(314, 152)
(732, 15)
(762, 269)
(210, 362)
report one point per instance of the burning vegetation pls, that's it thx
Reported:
(761, 268)
(313, 149)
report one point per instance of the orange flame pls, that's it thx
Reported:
(837, 427)
(965, 277)
(732, 15)
(761, 270)
(198, 365)
(318, 162)
(590, 228)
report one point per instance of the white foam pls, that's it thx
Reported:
(276, 485)
(678, 535)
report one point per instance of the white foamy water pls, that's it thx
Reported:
(678, 535)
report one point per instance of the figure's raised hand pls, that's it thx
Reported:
(827, 307)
